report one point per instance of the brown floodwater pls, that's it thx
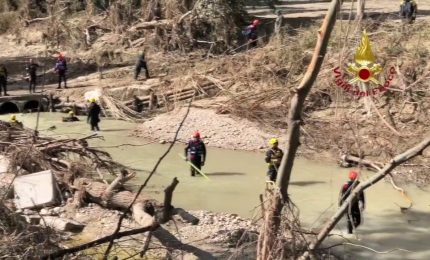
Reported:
(238, 177)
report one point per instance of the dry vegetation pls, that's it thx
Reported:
(256, 84)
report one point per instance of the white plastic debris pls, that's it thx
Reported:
(35, 190)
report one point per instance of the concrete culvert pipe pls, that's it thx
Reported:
(32, 105)
(8, 107)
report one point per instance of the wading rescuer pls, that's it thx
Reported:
(357, 205)
(71, 117)
(141, 64)
(273, 158)
(14, 122)
(195, 152)
(94, 115)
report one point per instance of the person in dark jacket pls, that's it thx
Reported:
(32, 73)
(252, 34)
(141, 64)
(357, 205)
(94, 115)
(408, 11)
(3, 79)
(273, 158)
(195, 152)
(61, 69)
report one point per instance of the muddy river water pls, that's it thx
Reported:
(237, 178)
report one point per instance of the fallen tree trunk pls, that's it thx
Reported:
(28, 22)
(165, 24)
(142, 211)
(375, 166)
(396, 161)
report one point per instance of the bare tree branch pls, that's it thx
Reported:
(396, 161)
(122, 217)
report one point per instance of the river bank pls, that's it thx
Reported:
(236, 179)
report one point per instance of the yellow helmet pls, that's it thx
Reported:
(92, 100)
(71, 113)
(273, 141)
(13, 117)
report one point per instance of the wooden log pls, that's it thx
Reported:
(186, 216)
(35, 20)
(375, 166)
(168, 193)
(142, 211)
(151, 25)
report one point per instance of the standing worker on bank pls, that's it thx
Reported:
(353, 214)
(61, 69)
(141, 64)
(252, 34)
(32, 72)
(273, 158)
(408, 11)
(94, 115)
(3, 79)
(195, 152)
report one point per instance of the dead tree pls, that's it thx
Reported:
(272, 217)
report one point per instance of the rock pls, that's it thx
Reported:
(45, 212)
(28, 212)
(190, 256)
(162, 142)
(62, 224)
(35, 190)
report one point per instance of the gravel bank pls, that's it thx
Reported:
(223, 131)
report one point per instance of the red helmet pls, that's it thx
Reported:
(196, 134)
(353, 175)
(256, 22)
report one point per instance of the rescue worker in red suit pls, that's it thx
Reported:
(357, 205)
(195, 152)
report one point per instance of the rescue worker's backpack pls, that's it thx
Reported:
(407, 9)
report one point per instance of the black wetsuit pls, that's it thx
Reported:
(94, 116)
(195, 151)
(141, 64)
(354, 212)
(273, 158)
(32, 71)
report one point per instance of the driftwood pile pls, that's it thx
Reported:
(79, 169)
